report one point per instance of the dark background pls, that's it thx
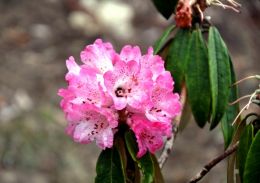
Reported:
(36, 37)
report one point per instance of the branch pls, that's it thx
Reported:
(167, 147)
(213, 163)
(169, 143)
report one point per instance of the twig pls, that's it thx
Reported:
(213, 163)
(233, 5)
(167, 148)
(244, 79)
(169, 142)
(246, 107)
(239, 99)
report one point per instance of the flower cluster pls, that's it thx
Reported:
(110, 88)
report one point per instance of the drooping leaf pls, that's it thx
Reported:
(165, 7)
(231, 111)
(197, 78)
(177, 56)
(109, 167)
(161, 41)
(252, 166)
(220, 76)
(145, 163)
(244, 145)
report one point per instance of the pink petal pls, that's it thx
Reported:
(86, 88)
(129, 53)
(120, 82)
(164, 105)
(165, 80)
(95, 124)
(151, 62)
(99, 55)
(149, 134)
(73, 68)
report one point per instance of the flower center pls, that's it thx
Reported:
(121, 92)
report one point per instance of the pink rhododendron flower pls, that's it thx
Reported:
(149, 134)
(108, 85)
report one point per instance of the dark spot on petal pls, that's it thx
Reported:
(158, 110)
(119, 92)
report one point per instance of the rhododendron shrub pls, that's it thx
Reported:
(109, 89)
(127, 102)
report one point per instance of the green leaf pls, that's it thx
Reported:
(177, 56)
(109, 167)
(158, 177)
(197, 78)
(220, 76)
(231, 112)
(145, 163)
(161, 41)
(252, 166)
(165, 7)
(244, 145)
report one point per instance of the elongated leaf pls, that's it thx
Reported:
(162, 40)
(220, 76)
(145, 163)
(109, 168)
(231, 112)
(165, 7)
(177, 57)
(197, 78)
(252, 167)
(244, 145)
